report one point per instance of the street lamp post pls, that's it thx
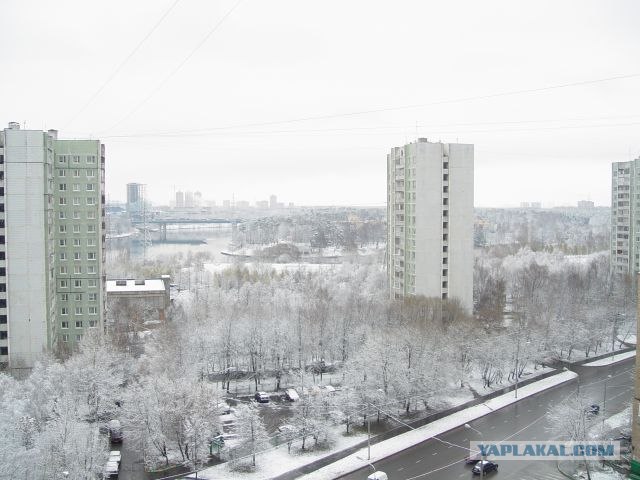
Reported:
(482, 457)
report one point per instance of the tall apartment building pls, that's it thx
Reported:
(52, 233)
(625, 221)
(430, 221)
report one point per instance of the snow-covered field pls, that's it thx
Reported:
(278, 461)
(277, 267)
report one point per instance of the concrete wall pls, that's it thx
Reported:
(428, 218)
(461, 223)
(28, 261)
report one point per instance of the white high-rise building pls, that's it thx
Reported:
(430, 221)
(51, 244)
(625, 246)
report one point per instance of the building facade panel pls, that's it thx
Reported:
(430, 221)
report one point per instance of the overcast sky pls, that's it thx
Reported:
(224, 78)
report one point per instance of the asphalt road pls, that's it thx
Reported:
(525, 420)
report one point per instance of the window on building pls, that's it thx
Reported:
(77, 284)
(63, 256)
(62, 201)
(91, 200)
(78, 338)
(93, 310)
(63, 242)
(64, 324)
(76, 187)
(62, 173)
(64, 297)
(62, 228)
(91, 215)
(3, 255)
(91, 242)
(3, 319)
(3, 287)
(62, 215)
(76, 242)
(92, 283)
(76, 200)
(77, 297)
(3, 334)
(76, 229)
(92, 323)
(76, 255)
(4, 351)
(91, 173)
(77, 270)
(76, 159)
(91, 228)
(62, 187)
(65, 337)
(78, 312)
(91, 159)
(91, 255)
(91, 269)
(63, 270)
(90, 187)
(64, 311)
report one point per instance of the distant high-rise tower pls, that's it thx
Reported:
(273, 201)
(51, 257)
(135, 197)
(430, 221)
(625, 249)
(179, 199)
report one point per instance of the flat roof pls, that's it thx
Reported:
(150, 285)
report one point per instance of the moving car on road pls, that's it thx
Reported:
(484, 466)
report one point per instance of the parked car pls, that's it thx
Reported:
(473, 458)
(115, 431)
(114, 456)
(262, 397)
(287, 429)
(485, 466)
(111, 470)
(593, 409)
(291, 395)
(378, 476)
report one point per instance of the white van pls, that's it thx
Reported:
(378, 476)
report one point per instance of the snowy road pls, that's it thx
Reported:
(433, 460)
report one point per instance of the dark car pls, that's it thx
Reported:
(262, 397)
(473, 458)
(115, 431)
(593, 409)
(486, 467)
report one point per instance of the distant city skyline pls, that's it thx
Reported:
(253, 98)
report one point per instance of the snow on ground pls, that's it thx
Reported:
(414, 437)
(278, 461)
(278, 267)
(611, 360)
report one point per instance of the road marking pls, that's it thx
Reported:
(518, 416)
(418, 461)
(434, 453)
(492, 427)
(466, 440)
(528, 411)
(400, 469)
(463, 475)
(506, 421)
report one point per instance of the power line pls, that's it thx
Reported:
(122, 64)
(177, 68)
(393, 108)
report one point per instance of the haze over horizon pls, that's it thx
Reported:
(304, 100)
